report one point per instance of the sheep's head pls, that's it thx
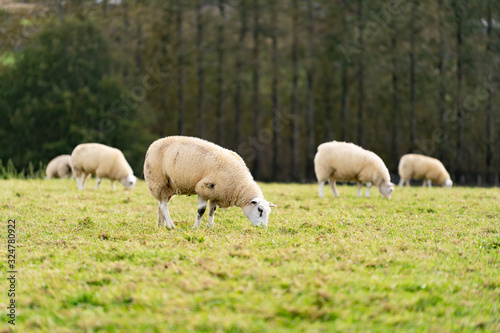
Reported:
(448, 183)
(129, 181)
(386, 189)
(258, 211)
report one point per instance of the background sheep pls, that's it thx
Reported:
(187, 165)
(59, 167)
(342, 161)
(416, 166)
(102, 161)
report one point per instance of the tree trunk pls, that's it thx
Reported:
(345, 80)
(126, 20)
(328, 107)
(201, 69)
(361, 77)
(442, 86)
(413, 115)
(460, 132)
(311, 133)
(490, 122)
(60, 10)
(239, 67)
(295, 137)
(220, 77)
(138, 51)
(164, 110)
(105, 8)
(256, 85)
(180, 71)
(395, 104)
(276, 172)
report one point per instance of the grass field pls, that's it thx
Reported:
(427, 260)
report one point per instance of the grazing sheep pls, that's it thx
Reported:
(342, 161)
(102, 161)
(59, 167)
(416, 166)
(187, 165)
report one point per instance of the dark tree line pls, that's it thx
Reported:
(273, 79)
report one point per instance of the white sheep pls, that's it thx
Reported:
(416, 166)
(59, 167)
(179, 165)
(102, 161)
(342, 161)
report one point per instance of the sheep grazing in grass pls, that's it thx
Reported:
(102, 161)
(342, 161)
(59, 167)
(187, 165)
(416, 166)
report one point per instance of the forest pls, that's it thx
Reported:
(270, 80)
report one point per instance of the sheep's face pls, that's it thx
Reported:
(448, 183)
(129, 181)
(386, 189)
(258, 211)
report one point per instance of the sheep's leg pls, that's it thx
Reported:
(368, 186)
(359, 189)
(429, 183)
(202, 206)
(408, 183)
(401, 182)
(321, 185)
(333, 185)
(424, 184)
(83, 178)
(213, 207)
(112, 185)
(166, 214)
(98, 182)
(78, 183)
(161, 219)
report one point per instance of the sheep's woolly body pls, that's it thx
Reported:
(187, 165)
(342, 161)
(59, 167)
(100, 160)
(416, 166)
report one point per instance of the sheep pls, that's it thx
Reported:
(416, 166)
(178, 165)
(59, 167)
(343, 161)
(102, 161)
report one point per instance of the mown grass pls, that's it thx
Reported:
(427, 260)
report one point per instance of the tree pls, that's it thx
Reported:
(180, 71)
(361, 76)
(295, 137)
(60, 93)
(276, 171)
(345, 78)
(201, 69)
(413, 83)
(239, 69)
(311, 132)
(458, 17)
(220, 77)
(256, 83)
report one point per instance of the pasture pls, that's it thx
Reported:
(94, 261)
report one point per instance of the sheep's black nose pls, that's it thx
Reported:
(261, 211)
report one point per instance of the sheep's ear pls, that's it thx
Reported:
(255, 201)
(272, 205)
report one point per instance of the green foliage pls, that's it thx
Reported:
(425, 261)
(10, 171)
(60, 93)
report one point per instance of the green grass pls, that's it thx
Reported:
(427, 260)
